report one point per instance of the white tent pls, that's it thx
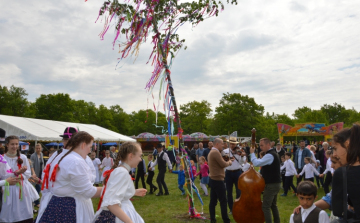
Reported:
(29, 129)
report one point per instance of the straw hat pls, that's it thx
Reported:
(232, 140)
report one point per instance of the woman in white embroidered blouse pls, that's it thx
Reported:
(115, 204)
(70, 184)
(18, 207)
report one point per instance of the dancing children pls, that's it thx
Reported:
(309, 170)
(151, 175)
(18, 206)
(181, 178)
(140, 173)
(115, 205)
(106, 164)
(290, 171)
(307, 193)
(96, 162)
(161, 160)
(204, 171)
(71, 188)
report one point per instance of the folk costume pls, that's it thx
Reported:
(311, 215)
(118, 190)
(70, 189)
(96, 162)
(18, 206)
(106, 164)
(161, 161)
(150, 177)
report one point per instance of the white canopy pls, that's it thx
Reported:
(29, 129)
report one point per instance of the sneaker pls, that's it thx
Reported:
(159, 194)
(166, 193)
(283, 195)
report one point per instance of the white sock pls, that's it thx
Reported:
(203, 186)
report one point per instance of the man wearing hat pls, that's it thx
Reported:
(68, 133)
(161, 160)
(233, 172)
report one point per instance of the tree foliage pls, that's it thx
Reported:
(195, 116)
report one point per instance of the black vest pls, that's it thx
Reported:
(161, 162)
(140, 167)
(271, 173)
(313, 217)
(148, 166)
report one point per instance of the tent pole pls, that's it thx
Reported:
(97, 149)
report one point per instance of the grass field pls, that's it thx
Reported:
(174, 207)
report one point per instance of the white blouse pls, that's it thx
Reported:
(73, 179)
(309, 171)
(107, 162)
(5, 171)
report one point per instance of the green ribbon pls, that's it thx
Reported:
(7, 190)
(21, 189)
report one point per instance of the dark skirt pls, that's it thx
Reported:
(105, 217)
(60, 209)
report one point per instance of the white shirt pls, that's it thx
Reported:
(107, 162)
(245, 167)
(149, 165)
(290, 168)
(237, 163)
(323, 217)
(119, 189)
(328, 167)
(73, 179)
(165, 157)
(309, 171)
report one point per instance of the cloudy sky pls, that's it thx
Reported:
(285, 54)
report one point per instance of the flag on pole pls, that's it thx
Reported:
(234, 134)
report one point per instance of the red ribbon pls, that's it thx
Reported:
(106, 176)
(53, 175)
(46, 177)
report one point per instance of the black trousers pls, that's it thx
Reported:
(327, 182)
(310, 179)
(139, 175)
(160, 180)
(283, 180)
(300, 177)
(150, 179)
(217, 192)
(231, 180)
(289, 183)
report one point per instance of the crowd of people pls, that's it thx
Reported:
(73, 176)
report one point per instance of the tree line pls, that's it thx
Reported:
(235, 112)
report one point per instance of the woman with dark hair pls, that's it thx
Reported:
(69, 195)
(346, 147)
(18, 207)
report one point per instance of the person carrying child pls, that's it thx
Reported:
(307, 193)
(151, 175)
(204, 171)
(290, 171)
(309, 170)
(181, 178)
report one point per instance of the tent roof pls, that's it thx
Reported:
(29, 129)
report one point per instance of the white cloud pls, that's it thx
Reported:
(285, 54)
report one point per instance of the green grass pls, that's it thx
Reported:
(174, 207)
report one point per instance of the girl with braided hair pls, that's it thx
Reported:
(115, 204)
(18, 206)
(70, 188)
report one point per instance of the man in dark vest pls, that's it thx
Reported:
(161, 161)
(270, 164)
(140, 173)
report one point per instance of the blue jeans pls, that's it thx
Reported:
(181, 187)
(231, 178)
(38, 189)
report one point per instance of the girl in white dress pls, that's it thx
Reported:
(70, 188)
(96, 162)
(106, 164)
(18, 206)
(115, 204)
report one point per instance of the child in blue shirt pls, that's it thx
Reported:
(181, 178)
